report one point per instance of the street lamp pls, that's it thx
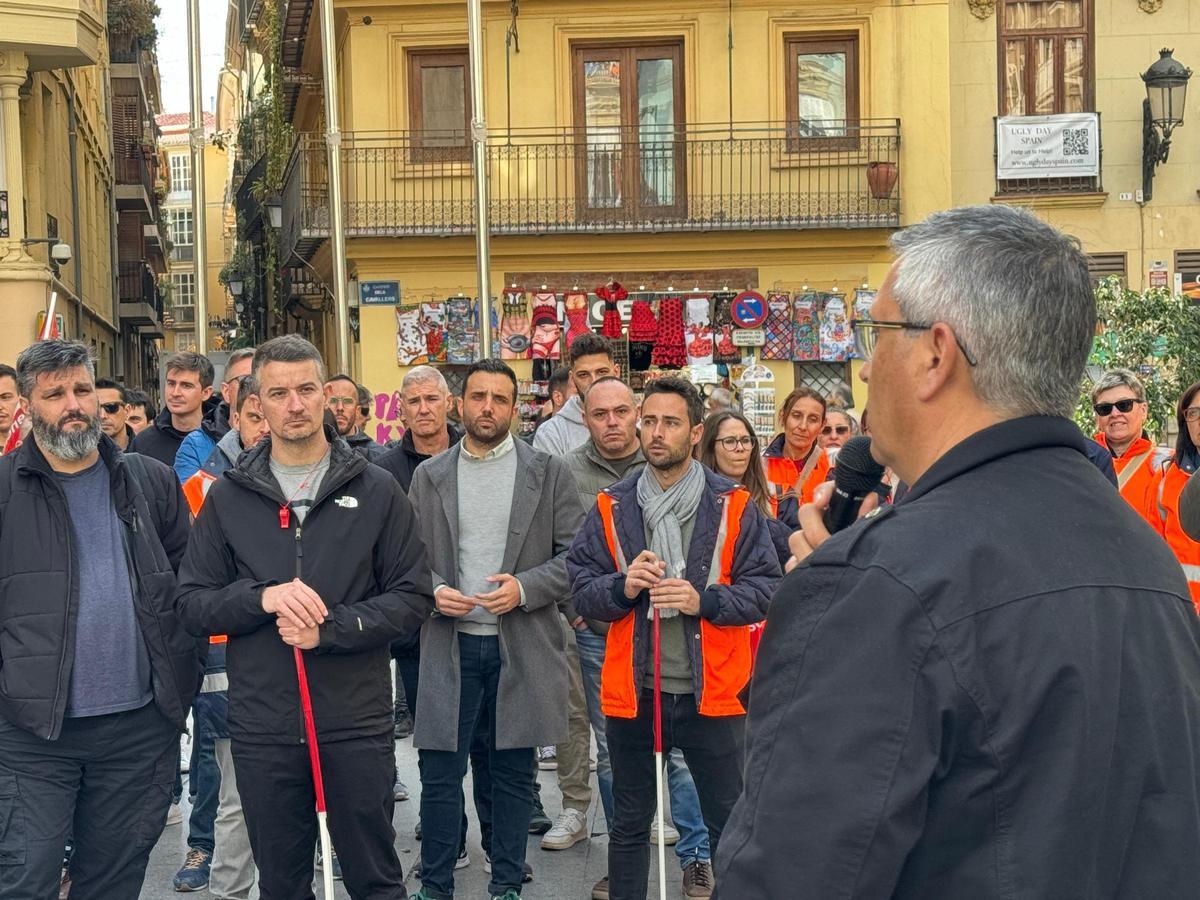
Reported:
(1162, 112)
(274, 211)
(235, 286)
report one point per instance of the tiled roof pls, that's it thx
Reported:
(183, 119)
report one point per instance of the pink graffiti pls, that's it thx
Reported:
(388, 426)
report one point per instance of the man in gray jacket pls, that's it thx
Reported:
(589, 359)
(494, 646)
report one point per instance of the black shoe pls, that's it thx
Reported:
(417, 830)
(539, 822)
(526, 869)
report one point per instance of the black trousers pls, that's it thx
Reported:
(276, 786)
(714, 749)
(107, 782)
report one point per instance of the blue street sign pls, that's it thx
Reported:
(379, 293)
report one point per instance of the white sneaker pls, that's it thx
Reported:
(175, 815)
(670, 835)
(569, 829)
(547, 759)
(463, 860)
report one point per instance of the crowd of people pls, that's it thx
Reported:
(988, 686)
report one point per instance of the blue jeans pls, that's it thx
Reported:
(206, 778)
(685, 802)
(442, 773)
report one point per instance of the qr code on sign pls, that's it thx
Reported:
(1075, 142)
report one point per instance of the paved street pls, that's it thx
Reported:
(560, 875)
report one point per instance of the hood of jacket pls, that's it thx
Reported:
(572, 410)
(453, 435)
(231, 446)
(216, 419)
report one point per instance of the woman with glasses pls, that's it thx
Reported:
(730, 447)
(796, 464)
(1174, 475)
(1119, 402)
(839, 427)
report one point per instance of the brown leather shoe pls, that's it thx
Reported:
(698, 879)
(600, 891)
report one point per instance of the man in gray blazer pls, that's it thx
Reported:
(497, 518)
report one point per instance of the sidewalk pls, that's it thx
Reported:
(557, 875)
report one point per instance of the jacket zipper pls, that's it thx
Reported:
(299, 570)
(62, 658)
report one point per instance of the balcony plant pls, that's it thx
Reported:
(134, 20)
(239, 268)
(881, 178)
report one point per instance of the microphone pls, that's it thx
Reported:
(857, 474)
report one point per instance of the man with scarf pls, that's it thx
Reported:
(682, 540)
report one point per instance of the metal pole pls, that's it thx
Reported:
(483, 261)
(333, 141)
(200, 232)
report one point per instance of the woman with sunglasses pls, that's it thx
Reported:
(1119, 402)
(839, 427)
(796, 463)
(1174, 475)
(730, 447)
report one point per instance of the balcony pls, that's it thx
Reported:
(134, 180)
(249, 12)
(141, 303)
(713, 178)
(58, 35)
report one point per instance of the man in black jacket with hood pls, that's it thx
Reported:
(96, 671)
(188, 396)
(304, 544)
(988, 689)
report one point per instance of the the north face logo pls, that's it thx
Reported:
(346, 502)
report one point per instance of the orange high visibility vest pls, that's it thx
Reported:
(195, 490)
(726, 662)
(1170, 485)
(1138, 473)
(782, 472)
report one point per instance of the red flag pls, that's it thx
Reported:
(14, 433)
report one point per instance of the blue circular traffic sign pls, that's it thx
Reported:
(749, 309)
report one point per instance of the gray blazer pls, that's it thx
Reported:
(532, 696)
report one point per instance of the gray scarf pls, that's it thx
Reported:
(664, 513)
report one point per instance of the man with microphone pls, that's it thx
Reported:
(986, 689)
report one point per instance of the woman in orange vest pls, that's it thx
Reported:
(1119, 402)
(1174, 475)
(796, 464)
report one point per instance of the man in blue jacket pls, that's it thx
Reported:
(987, 689)
(198, 445)
(689, 544)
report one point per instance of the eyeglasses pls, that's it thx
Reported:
(1126, 405)
(336, 402)
(835, 429)
(736, 443)
(865, 336)
(1192, 413)
(111, 408)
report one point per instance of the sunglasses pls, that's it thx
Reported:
(1105, 409)
(736, 443)
(835, 429)
(111, 408)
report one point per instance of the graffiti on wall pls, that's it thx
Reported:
(388, 423)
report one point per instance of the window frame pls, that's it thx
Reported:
(1086, 31)
(627, 54)
(847, 42)
(177, 303)
(186, 164)
(417, 59)
(176, 214)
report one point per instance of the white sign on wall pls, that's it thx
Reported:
(1064, 146)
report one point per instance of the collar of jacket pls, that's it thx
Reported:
(1139, 446)
(593, 454)
(163, 422)
(31, 461)
(253, 469)
(453, 435)
(216, 421)
(997, 441)
(230, 446)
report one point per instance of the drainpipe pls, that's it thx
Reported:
(76, 254)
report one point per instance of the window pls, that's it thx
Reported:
(439, 104)
(1045, 57)
(181, 232)
(1102, 265)
(629, 111)
(822, 86)
(181, 172)
(183, 294)
(1187, 270)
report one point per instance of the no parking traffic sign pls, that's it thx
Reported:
(749, 309)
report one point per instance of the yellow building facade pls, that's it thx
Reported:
(53, 187)
(698, 145)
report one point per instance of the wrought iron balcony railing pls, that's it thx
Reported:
(136, 284)
(830, 174)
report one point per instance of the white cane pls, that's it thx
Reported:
(658, 764)
(314, 757)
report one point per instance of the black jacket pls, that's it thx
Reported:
(988, 690)
(402, 459)
(365, 447)
(39, 587)
(358, 549)
(161, 439)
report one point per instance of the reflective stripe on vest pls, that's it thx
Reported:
(725, 649)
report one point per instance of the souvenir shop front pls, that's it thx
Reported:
(757, 342)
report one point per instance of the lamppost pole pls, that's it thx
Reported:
(483, 263)
(199, 229)
(333, 142)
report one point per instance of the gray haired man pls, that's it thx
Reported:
(96, 672)
(1003, 664)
